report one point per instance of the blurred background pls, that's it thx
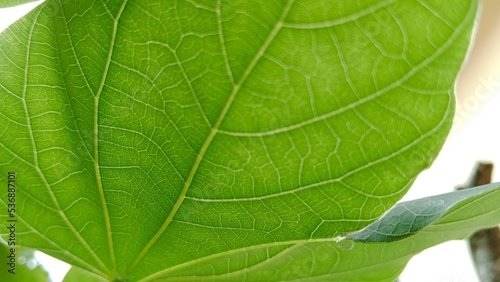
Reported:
(475, 137)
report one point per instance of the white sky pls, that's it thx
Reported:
(476, 138)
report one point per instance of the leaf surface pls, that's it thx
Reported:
(76, 274)
(151, 134)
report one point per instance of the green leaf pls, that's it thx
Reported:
(406, 218)
(150, 135)
(11, 3)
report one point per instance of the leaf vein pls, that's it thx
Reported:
(211, 136)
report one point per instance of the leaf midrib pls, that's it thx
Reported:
(97, 168)
(213, 132)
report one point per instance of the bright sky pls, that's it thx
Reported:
(475, 138)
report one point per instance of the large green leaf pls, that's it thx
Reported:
(150, 134)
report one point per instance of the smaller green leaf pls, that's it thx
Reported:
(11, 3)
(406, 218)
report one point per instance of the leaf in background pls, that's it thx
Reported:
(149, 135)
(406, 218)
